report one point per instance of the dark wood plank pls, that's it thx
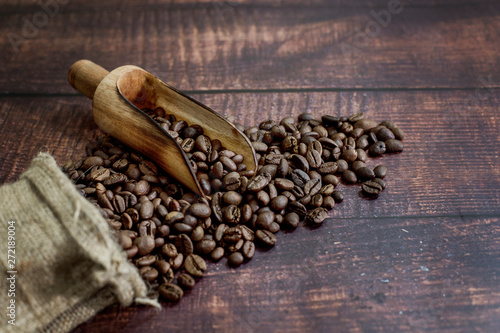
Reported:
(383, 275)
(449, 166)
(260, 47)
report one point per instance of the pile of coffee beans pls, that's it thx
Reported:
(169, 232)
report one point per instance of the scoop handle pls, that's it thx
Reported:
(85, 76)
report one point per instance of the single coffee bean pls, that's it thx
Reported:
(114, 179)
(92, 161)
(169, 250)
(205, 246)
(162, 266)
(197, 234)
(266, 237)
(235, 259)
(365, 173)
(200, 210)
(231, 181)
(259, 182)
(298, 208)
(195, 265)
(217, 253)
(312, 186)
(349, 177)
(148, 273)
(142, 187)
(328, 202)
(278, 203)
(284, 184)
(393, 146)
(231, 214)
(331, 179)
(316, 215)
(380, 171)
(378, 148)
(371, 188)
(148, 168)
(291, 220)
(338, 196)
(184, 244)
(232, 235)
(398, 133)
(300, 177)
(147, 210)
(145, 244)
(99, 175)
(170, 292)
(316, 200)
(248, 249)
(186, 281)
(232, 198)
(328, 168)
(146, 260)
(385, 134)
(381, 182)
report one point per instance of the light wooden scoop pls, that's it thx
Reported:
(118, 97)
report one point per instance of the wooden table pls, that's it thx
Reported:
(424, 257)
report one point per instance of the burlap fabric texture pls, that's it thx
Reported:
(67, 265)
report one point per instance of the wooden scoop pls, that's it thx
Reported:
(118, 97)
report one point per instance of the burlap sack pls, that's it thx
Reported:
(67, 266)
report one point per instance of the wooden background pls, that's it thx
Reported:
(424, 257)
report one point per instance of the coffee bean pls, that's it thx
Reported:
(264, 220)
(365, 173)
(147, 210)
(316, 216)
(205, 246)
(349, 177)
(92, 161)
(284, 184)
(378, 148)
(342, 166)
(385, 134)
(217, 253)
(146, 260)
(298, 208)
(300, 177)
(232, 235)
(398, 133)
(169, 250)
(231, 214)
(393, 146)
(231, 181)
(278, 203)
(200, 210)
(162, 266)
(259, 182)
(381, 182)
(148, 273)
(235, 259)
(186, 281)
(380, 171)
(183, 244)
(232, 198)
(99, 174)
(195, 265)
(142, 187)
(114, 179)
(170, 292)
(371, 188)
(312, 186)
(145, 244)
(328, 168)
(265, 237)
(148, 168)
(338, 196)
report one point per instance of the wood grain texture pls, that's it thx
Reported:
(259, 47)
(383, 275)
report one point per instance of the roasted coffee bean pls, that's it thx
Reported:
(298, 208)
(371, 188)
(331, 179)
(380, 171)
(217, 253)
(299, 162)
(349, 154)
(195, 265)
(327, 189)
(169, 250)
(145, 244)
(92, 161)
(284, 184)
(147, 210)
(266, 237)
(197, 234)
(264, 220)
(328, 202)
(385, 134)
(316, 200)
(393, 146)
(200, 210)
(300, 177)
(381, 182)
(184, 244)
(186, 281)
(338, 196)
(114, 179)
(312, 186)
(259, 182)
(291, 220)
(232, 235)
(170, 292)
(278, 203)
(231, 181)
(148, 168)
(316, 216)
(377, 148)
(162, 266)
(342, 166)
(231, 214)
(398, 133)
(146, 260)
(205, 246)
(248, 249)
(142, 187)
(232, 198)
(124, 240)
(349, 177)
(235, 259)
(99, 174)
(148, 273)
(365, 173)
